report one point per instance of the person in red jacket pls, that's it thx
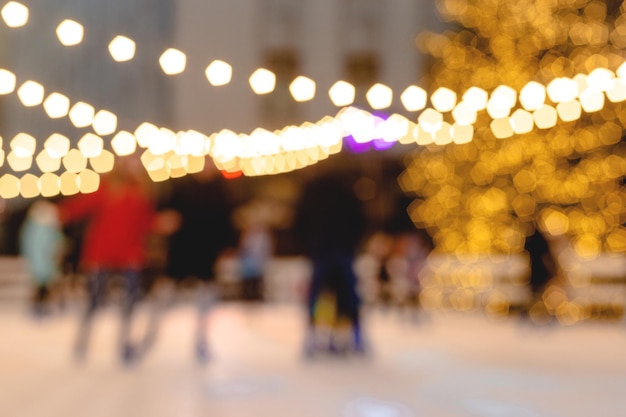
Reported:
(119, 217)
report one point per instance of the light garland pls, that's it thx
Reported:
(170, 154)
(448, 121)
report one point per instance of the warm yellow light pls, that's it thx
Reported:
(476, 98)
(621, 71)
(19, 163)
(443, 99)
(163, 141)
(104, 123)
(49, 184)
(152, 162)
(173, 61)
(69, 183)
(600, 79)
(47, 163)
(521, 121)
(390, 130)
(14, 14)
(443, 136)
(57, 146)
(159, 175)
(462, 133)
(226, 146)
(122, 49)
(88, 181)
(56, 105)
(7, 82)
(70, 32)
(501, 128)
(29, 186)
(74, 161)
(497, 108)
(9, 186)
(90, 145)
(581, 82)
(545, 117)
(505, 96)
(430, 120)
(219, 73)
(592, 100)
(379, 96)
(358, 123)
(124, 143)
(155, 166)
(413, 98)
(342, 93)
(569, 110)
(81, 114)
(195, 163)
(463, 114)
(302, 89)
(562, 89)
(262, 81)
(144, 132)
(190, 143)
(31, 93)
(617, 92)
(23, 145)
(532, 96)
(176, 165)
(103, 162)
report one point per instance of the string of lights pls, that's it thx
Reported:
(169, 154)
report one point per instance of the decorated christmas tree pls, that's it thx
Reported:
(476, 197)
(525, 128)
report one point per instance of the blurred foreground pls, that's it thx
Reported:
(439, 363)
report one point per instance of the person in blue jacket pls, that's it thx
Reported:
(41, 245)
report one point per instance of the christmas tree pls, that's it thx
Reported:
(535, 136)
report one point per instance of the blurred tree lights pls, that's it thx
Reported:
(556, 153)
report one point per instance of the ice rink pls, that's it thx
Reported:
(434, 364)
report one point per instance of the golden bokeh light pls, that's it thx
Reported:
(56, 105)
(14, 14)
(31, 93)
(173, 61)
(47, 163)
(74, 162)
(90, 145)
(413, 98)
(302, 89)
(57, 145)
(122, 48)
(81, 114)
(262, 81)
(379, 96)
(218, 73)
(104, 123)
(70, 32)
(342, 93)
(7, 82)
(29, 186)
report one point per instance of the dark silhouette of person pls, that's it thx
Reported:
(204, 206)
(542, 264)
(329, 225)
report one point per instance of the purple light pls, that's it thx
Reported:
(381, 145)
(356, 147)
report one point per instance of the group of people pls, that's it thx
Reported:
(118, 220)
(194, 218)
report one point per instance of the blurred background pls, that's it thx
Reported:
(482, 139)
